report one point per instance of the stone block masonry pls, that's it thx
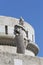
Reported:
(19, 59)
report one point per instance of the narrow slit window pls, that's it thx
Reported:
(6, 29)
(27, 34)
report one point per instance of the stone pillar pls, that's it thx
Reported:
(19, 40)
(20, 44)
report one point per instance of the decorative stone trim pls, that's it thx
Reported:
(7, 41)
(33, 47)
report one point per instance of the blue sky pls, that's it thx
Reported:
(31, 11)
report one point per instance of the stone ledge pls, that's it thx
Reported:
(33, 47)
(8, 59)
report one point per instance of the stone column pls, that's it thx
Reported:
(20, 43)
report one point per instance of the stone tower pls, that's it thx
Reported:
(17, 43)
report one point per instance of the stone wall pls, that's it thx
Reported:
(19, 59)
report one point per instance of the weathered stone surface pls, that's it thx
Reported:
(7, 36)
(8, 59)
(8, 47)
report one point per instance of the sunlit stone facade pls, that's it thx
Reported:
(17, 42)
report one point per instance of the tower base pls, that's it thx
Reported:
(19, 59)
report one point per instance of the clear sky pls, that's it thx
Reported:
(31, 11)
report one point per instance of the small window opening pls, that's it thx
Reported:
(6, 29)
(27, 34)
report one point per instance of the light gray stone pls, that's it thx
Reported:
(8, 59)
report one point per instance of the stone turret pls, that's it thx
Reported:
(17, 36)
(17, 43)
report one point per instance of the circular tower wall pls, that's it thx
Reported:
(7, 36)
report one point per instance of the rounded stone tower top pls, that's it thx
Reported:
(10, 22)
(7, 34)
